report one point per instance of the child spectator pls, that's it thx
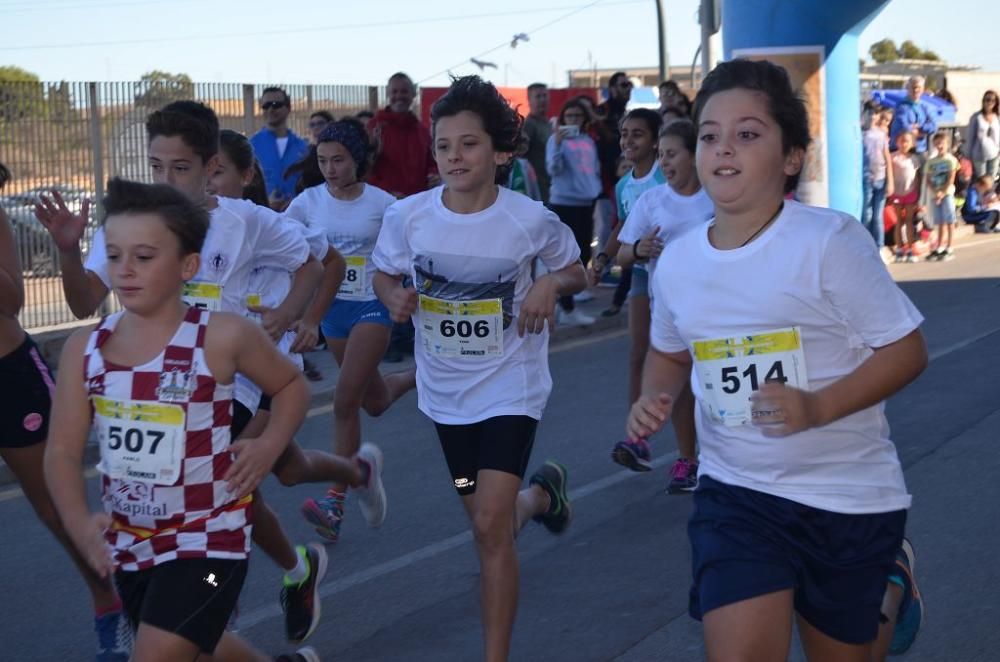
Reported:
(939, 173)
(905, 166)
(982, 207)
(877, 181)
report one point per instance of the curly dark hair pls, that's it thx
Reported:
(357, 128)
(500, 120)
(786, 107)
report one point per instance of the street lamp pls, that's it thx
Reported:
(661, 24)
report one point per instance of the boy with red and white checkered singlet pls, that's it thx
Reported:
(156, 382)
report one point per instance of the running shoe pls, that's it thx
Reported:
(114, 637)
(326, 514)
(633, 454)
(900, 256)
(611, 311)
(307, 654)
(935, 254)
(683, 476)
(949, 254)
(371, 497)
(583, 297)
(574, 317)
(911, 257)
(300, 601)
(911, 609)
(551, 477)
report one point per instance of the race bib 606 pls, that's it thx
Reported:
(731, 369)
(141, 441)
(462, 328)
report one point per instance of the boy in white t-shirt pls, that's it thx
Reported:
(482, 320)
(793, 334)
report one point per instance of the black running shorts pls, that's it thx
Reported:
(192, 598)
(501, 443)
(26, 392)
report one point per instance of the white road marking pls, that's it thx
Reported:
(249, 619)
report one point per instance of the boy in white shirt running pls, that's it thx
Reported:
(793, 334)
(482, 320)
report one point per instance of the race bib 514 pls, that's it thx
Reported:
(731, 369)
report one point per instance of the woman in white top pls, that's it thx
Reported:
(983, 137)
(356, 326)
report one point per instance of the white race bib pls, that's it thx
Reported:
(207, 296)
(462, 328)
(140, 441)
(731, 369)
(353, 284)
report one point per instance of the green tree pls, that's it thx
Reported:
(21, 94)
(910, 51)
(883, 51)
(159, 88)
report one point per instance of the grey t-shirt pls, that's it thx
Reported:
(538, 132)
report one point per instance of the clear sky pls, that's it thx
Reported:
(347, 41)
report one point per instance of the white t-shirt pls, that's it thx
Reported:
(241, 236)
(351, 226)
(486, 257)
(818, 270)
(282, 145)
(674, 214)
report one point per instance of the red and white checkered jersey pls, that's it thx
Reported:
(195, 517)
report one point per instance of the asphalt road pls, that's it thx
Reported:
(614, 587)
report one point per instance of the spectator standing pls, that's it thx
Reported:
(671, 97)
(608, 136)
(877, 181)
(940, 171)
(403, 164)
(538, 129)
(913, 115)
(277, 147)
(317, 122)
(571, 159)
(982, 138)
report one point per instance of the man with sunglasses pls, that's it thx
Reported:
(277, 147)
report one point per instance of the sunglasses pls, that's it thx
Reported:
(272, 105)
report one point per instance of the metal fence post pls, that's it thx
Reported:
(309, 98)
(97, 146)
(249, 108)
(373, 98)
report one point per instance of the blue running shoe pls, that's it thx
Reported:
(633, 454)
(911, 609)
(114, 637)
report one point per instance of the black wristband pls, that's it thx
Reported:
(635, 251)
(604, 255)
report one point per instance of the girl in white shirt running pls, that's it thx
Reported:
(660, 215)
(482, 320)
(793, 335)
(356, 326)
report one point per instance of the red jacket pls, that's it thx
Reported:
(404, 159)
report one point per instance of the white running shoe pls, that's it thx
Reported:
(371, 497)
(575, 317)
(583, 297)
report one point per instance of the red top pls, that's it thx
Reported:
(404, 158)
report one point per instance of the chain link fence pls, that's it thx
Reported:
(73, 136)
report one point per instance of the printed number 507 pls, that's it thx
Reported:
(133, 439)
(731, 377)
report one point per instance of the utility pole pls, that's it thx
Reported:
(661, 24)
(710, 19)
